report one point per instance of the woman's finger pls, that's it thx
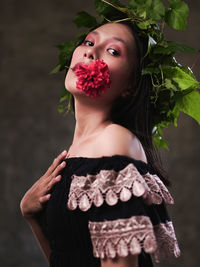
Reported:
(58, 169)
(46, 183)
(44, 199)
(53, 181)
(55, 163)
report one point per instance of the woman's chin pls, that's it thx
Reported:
(72, 89)
(75, 92)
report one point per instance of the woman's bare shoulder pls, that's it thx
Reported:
(118, 140)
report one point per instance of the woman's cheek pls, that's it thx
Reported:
(117, 76)
(76, 57)
(70, 79)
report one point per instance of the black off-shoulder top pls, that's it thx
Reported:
(108, 207)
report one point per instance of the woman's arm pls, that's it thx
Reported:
(35, 198)
(40, 237)
(129, 261)
(117, 140)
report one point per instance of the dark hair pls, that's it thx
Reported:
(134, 112)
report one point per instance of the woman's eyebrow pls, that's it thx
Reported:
(114, 37)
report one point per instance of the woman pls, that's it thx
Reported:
(102, 203)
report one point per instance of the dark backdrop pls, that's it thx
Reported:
(32, 132)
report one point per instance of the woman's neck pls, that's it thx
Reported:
(90, 120)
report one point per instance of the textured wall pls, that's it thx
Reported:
(32, 133)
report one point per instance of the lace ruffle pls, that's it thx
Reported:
(123, 236)
(110, 186)
(167, 242)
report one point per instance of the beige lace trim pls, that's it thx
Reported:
(123, 236)
(167, 242)
(110, 186)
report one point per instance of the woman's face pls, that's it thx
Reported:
(114, 43)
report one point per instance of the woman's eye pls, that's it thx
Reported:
(88, 43)
(113, 52)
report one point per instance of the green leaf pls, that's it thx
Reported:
(190, 104)
(172, 47)
(170, 85)
(64, 97)
(159, 9)
(144, 25)
(56, 69)
(139, 3)
(157, 137)
(146, 2)
(133, 3)
(66, 50)
(141, 9)
(83, 19)
(175, 113)
(107, 8)
(142, 14)
(188, 71)
(176, 16)
(159, 142)
(101, 7)
(179, 75)
(60, 109)
(183, 48)
(65, 102)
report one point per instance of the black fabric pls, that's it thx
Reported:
(67, 230)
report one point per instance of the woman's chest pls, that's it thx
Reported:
(62, 222)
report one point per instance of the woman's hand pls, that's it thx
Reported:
(35, 198)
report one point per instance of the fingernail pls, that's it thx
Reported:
(48, 196)
(64, 152)
(58, 177)
(63, 163)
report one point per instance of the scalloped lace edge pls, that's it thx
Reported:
(123, 236)
(111, 186)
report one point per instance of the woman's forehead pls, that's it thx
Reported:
(116, 31)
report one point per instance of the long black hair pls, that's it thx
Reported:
(134, 112)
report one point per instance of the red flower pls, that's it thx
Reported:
(93, 79)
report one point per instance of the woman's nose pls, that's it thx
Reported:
(90, 54)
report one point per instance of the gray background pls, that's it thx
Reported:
(33, 133)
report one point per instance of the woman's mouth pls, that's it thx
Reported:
(77, 65)
(93, 79)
